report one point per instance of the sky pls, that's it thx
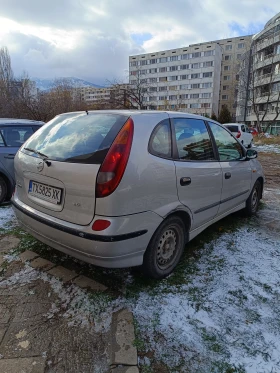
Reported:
(92, 39)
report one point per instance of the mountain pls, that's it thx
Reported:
(46, 84)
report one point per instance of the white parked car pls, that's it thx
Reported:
(241, 132)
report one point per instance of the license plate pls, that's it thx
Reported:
(45, 192)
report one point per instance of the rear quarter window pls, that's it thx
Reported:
(77, 138)
(160, 141)
(232, 128)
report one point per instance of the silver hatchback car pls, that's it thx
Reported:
(130, 188)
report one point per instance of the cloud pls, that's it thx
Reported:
(92, 40)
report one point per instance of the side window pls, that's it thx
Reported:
(1, 140)
(15, 136)
(193, 140)
(243, 128)
(228, 147)
(160, 141)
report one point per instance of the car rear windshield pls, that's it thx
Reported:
(76, 138)
(232, 128)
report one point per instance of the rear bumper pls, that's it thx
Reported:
(123, 244)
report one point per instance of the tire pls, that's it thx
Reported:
(165, 248)
(253, 200)
(3, 190)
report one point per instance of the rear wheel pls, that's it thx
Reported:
(3, 190)
(165, 248)
(253, 200)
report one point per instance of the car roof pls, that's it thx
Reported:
(233, 124)
(172, 114)
(14, 121)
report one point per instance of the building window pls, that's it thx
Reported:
(205, 95)
(143, 81)
(183, 97)
(206, 85)
(134, 63)
(152, 71)
(173, 68)
(173, 88)
(163, 79)
(153, 80)
(227, 57)
(224, 97)
(195, 76)
(183, 77)
(163, 59)
(143, 63)
(194, 86)
(206, 105)
(195, 106)
(162, 98)
(184, 86)
(239, 56)
(196, 54)
(228, 47)
(172, 78)
(173, 97)
(162, 69)
(153, 60)
(226, 68)
(240, 45)
(227, 77)
(207, 75)
(174, 58)
(195, 65)
(225, 87)
(208, 63)
(153, 89)
(194, 95)
(185, 56)
(164, 88)
(209, 53)
(184, 67)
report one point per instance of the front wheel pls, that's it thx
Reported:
(165, 248)
(253, 200)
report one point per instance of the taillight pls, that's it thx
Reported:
(114, 164)
(100, 225)
(238, 135)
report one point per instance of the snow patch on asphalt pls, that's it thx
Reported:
(271, 148)
(74, 303)
(7, 218)
(226, 312)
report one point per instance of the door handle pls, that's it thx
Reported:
(227, 175)
(9, 156)
(185, 181)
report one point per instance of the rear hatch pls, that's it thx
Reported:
(232, 128)
(56, 169)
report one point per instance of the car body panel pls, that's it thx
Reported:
(246, 137)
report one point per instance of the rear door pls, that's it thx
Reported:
(237, 173)
(57, 167)
(198, 172)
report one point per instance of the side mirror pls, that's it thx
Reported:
(251, 154)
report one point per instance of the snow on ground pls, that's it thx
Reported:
(225, 314)
(7, 217)
(272, 148)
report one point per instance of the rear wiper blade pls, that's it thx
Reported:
(36, 152)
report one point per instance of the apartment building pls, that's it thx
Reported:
(198, 79)
(93, 95)
(259, 92)
(186, 79)
(232, 51)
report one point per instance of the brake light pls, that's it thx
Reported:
(100, 225)
(114, 164)
(238, 135)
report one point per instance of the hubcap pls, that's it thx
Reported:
(255, 199)
(166, 248)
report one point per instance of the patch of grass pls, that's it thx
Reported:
(139, 343)
(146, 369)
(239, 295)
(267, 141)
(224, 367)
